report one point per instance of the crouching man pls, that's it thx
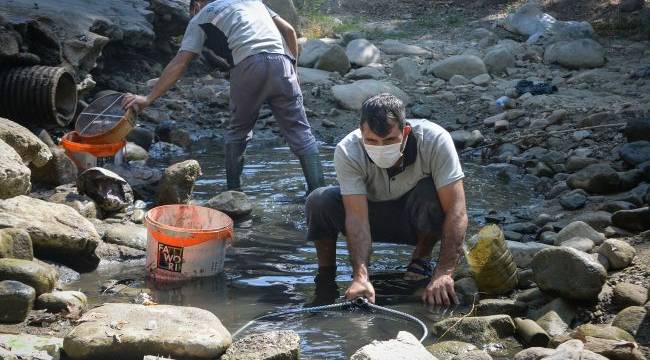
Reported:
(399, 182)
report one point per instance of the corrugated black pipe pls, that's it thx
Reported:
(40, 95)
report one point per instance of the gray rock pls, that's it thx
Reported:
(555, 317)
(334, 60)
(534, 353)
(619, 253)
(176, 331)
(579, 229)
(234, 203)
(599, 220)
(602, 331)
(395, 47)
(628, 294)
(574, 200)
(25, 346)
(635, 153)
(466, 65)
(16, 301)
(578, 243)
(611, 349)
(30, 148)
(574, 349)
(481, 80)
(314, 76)
(575, 163)
(458, 80)
(365, 72)
(633, 220)
(131, 235)
(135, 152)
(142, 137)
(447, 350)
(634, 320)
(467, 290)
(510, 307)
(464, 138)
(57, 231)
(164, 150)
(16, 244)
(38, 275)
(60, 170)
(477, 330)
(406, 70)
(68, 195)
(474, 355)
(14, 174)
(362, 52)
(109, 190)
(287, 10)
(631, 5)
(177, 183)
(311, 51)
(352, 96)
(73, 302)
(523, 253)
(404, 346)
(143, 180)
(637, 129)
(575, 54)
(551, 265)
(596, 179)
(271, 345)
(498, 60)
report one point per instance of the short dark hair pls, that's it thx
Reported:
(195, 3)
(380, 111)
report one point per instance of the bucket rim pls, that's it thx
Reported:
(148, 219)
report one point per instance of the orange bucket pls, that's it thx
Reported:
(186, 241)
(85, 155)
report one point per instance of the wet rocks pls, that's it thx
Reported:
(362, 52)
(233, 203)
(551, 266)
(334, 60)
(395, 47)
(38, 275)
(633, 220)
(579, 229)
(635, 153)
(269, 345)
(131, 235)
(177, 183)
(143, 180)
(30, 148)
(57, 231)
(575, 54)
(447, 350)
(351, 96)
(173, 331)
(466, 65)
(619, 254)
(14, 174)
(109, 190)
(406, 70)
(477, 330)
(404, 346)
(68, 195)
(596, 179)
(627, 294)
(555, 317)
(69, 301)
(16, 301)
(16, 244)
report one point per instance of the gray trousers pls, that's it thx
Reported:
(269, 78)
(397, 221)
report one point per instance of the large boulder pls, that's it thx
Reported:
(131, 235)
(143, 180)
(57, 231)
(575, 54)
(634, 220)
(16, 244)
(467, 65)
(362, 52)
(59, 170)
(478, 330)
(109, 191)
(40, 276)
(14, 174)
(635, 320)
(404, 347)
(619, 254)
(173, 331)
(396, 47)
(271, 345)
(555, 317)
(628, 294)
(233, 203)
(334, 60)
(579, 229)
(314, 76)
(551, 266)
(406, 70)
(30, 148)
(611, 349)
(352, 96)
(177, 183)
(16, 301)
(311, 51)
(596, 179)
(497, 60)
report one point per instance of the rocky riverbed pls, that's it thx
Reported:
(546, 104)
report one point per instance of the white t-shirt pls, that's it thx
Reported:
(433, 154)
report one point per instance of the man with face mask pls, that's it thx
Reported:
(399, 182)
(261, 48)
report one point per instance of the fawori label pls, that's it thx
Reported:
(170, 258)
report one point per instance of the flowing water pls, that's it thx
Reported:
(271, 267)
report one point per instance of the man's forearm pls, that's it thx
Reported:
(173, 71)
(292, 42)
(359, 247)
(453, 235)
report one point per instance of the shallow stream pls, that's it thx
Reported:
(271, 267)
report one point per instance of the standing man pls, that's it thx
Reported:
(251, 38)
(399, 182)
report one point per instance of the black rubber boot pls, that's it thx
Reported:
(234, 153)
(313, 171)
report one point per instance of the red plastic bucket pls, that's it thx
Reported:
(186, 241)
(85, 155)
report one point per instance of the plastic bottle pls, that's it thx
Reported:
(503, 102)
(491, 262)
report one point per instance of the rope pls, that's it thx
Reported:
(359, 302)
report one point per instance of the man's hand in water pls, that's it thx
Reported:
(136, 102)
(361, 288)
(440, 291)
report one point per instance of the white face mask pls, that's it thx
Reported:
(385, 156)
